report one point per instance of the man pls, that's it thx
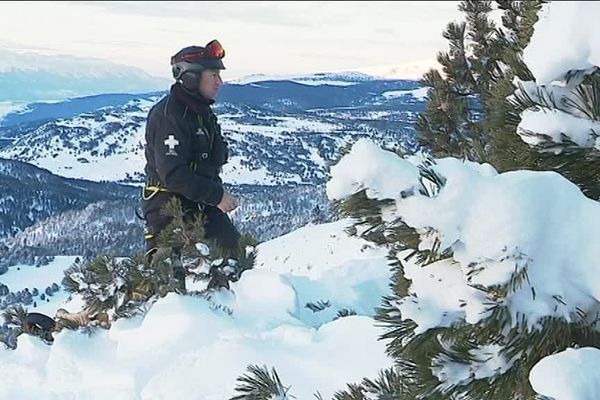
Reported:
(185, 151)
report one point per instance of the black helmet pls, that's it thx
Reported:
(190, 61)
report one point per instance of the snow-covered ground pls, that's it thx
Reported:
(71, 157)
(419, 94)
(21, 277)
(573, 374)
(184, 348)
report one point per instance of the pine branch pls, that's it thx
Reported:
(318, 306)
(259, 384)
(344, 312)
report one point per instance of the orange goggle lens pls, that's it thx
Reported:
(212, 50)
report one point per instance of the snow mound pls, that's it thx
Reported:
(560, 376)
(194, 347)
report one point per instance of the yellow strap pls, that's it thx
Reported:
(148, 236)
(153, 189)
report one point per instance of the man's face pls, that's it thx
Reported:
(210, 83)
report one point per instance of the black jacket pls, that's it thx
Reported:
(184, 147)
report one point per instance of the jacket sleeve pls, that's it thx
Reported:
(172, 155)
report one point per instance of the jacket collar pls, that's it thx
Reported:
(193, 101)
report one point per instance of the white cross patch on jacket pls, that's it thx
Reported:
(171, 142)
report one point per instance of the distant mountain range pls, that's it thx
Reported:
(29, 77)
(280, 132)
(67, 165)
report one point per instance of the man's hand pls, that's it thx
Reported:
(228, 203)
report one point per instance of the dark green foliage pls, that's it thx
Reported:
(578, 164)
(452, 124)
(318, 306)
(260, 384)
(344, 312)
(471, 113)
(15, 316)
(124, 286)
(119, 285)
(392, 384)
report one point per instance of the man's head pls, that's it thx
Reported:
(198, 68)
(210, 83)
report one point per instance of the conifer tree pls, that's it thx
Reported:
(472, 112)
(261, 384)
(420, 356)
(126, 286)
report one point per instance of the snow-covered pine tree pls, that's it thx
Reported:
(125, 286)
(449, 126)
(488, 352)
(469, 94)
(558, 118)
(472, 112)
(14, 320)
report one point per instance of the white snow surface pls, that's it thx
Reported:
(556, 123)
(573, 374)
(7, 107)
(185, 348)
(20, 277)
(342, 78)
(566, 37)
(419, 94)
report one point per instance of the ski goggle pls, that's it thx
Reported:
(213, 50)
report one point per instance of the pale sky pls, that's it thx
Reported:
(259, 37)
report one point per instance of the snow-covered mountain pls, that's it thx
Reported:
(280, 132)
(317, 79)
(202, 349)
(410, 70)
(27, 76)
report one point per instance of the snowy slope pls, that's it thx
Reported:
(107, 145)
(186, 349)
(23, 277)
(419, 94)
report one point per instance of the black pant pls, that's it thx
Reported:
(217, 226)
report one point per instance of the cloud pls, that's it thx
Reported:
(272, 13)
(13, 45)
(260, 37)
